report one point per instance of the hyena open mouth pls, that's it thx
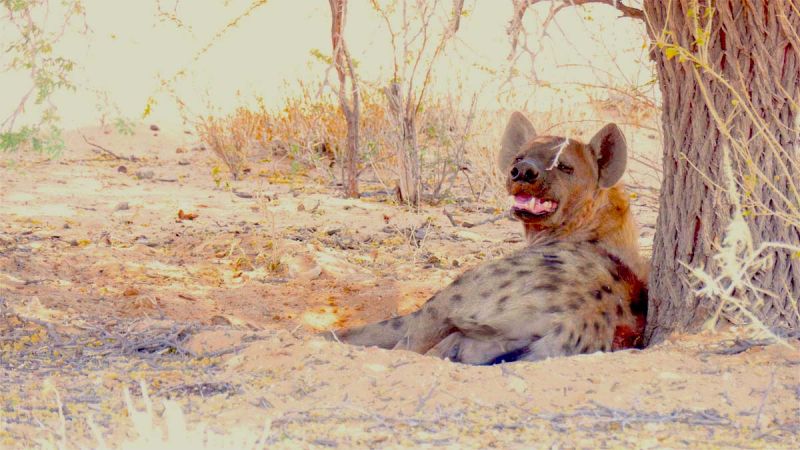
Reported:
(527, 206)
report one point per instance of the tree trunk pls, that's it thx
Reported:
(350, 166)
(350, 108)
(406, 145)
(754, 45)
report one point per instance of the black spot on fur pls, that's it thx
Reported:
(501, 304)
(554, 309)
(549, 287)
(396, 323)
(499, 271)
(567, 348)
(505, 284)
(574, 304)
(552, 262)
(579, 341)
(620, 311)
(585, 349)
(486, 294)
(456, 298)
(596, 327)
(555, 279)
(597, 294)
(585, 326)
(523, 273)
(571, 336)
(614, 275)
(606, 316)
(607, 289)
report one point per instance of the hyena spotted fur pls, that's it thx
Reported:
(577, 287)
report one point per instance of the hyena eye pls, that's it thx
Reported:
(565, 168)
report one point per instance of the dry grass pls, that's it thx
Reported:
(310, 130)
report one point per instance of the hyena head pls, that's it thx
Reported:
(559, 184)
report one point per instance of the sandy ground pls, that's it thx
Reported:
(144, 273)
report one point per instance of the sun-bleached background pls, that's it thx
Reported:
(129, 48)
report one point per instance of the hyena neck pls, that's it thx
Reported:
(607, 221)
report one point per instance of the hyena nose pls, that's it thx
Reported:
(524, 172)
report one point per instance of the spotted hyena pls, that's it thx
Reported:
(577, 287)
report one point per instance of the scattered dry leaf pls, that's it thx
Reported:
(186, 216)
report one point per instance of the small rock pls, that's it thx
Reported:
(180, 150)
(146, 242)
(122, 206)
(183, 162)
(220, 320)
(199, 148)
(145, 174)
(122, 169)
(154, 127)
(303, 267)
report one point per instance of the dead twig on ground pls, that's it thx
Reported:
(466, 224)
(109, 152)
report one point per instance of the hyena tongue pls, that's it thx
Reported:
(532, 204)
(522, 200)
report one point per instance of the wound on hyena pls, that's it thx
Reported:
(577, 286)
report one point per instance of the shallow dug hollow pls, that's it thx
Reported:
(147, 275)
(693, 391)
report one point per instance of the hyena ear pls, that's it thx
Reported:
(518, 131)
(611, 151)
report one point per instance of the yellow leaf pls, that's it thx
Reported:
(671, 52)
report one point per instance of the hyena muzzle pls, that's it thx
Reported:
(577, 287)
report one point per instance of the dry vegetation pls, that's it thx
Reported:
(156, 294)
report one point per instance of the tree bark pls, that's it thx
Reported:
(408, 157)
(351, 108)
(744, 102)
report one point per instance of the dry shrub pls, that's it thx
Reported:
(232, 138)
(457, 152)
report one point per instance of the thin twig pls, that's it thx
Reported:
(107, 151)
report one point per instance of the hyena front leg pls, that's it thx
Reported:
(458, 347)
